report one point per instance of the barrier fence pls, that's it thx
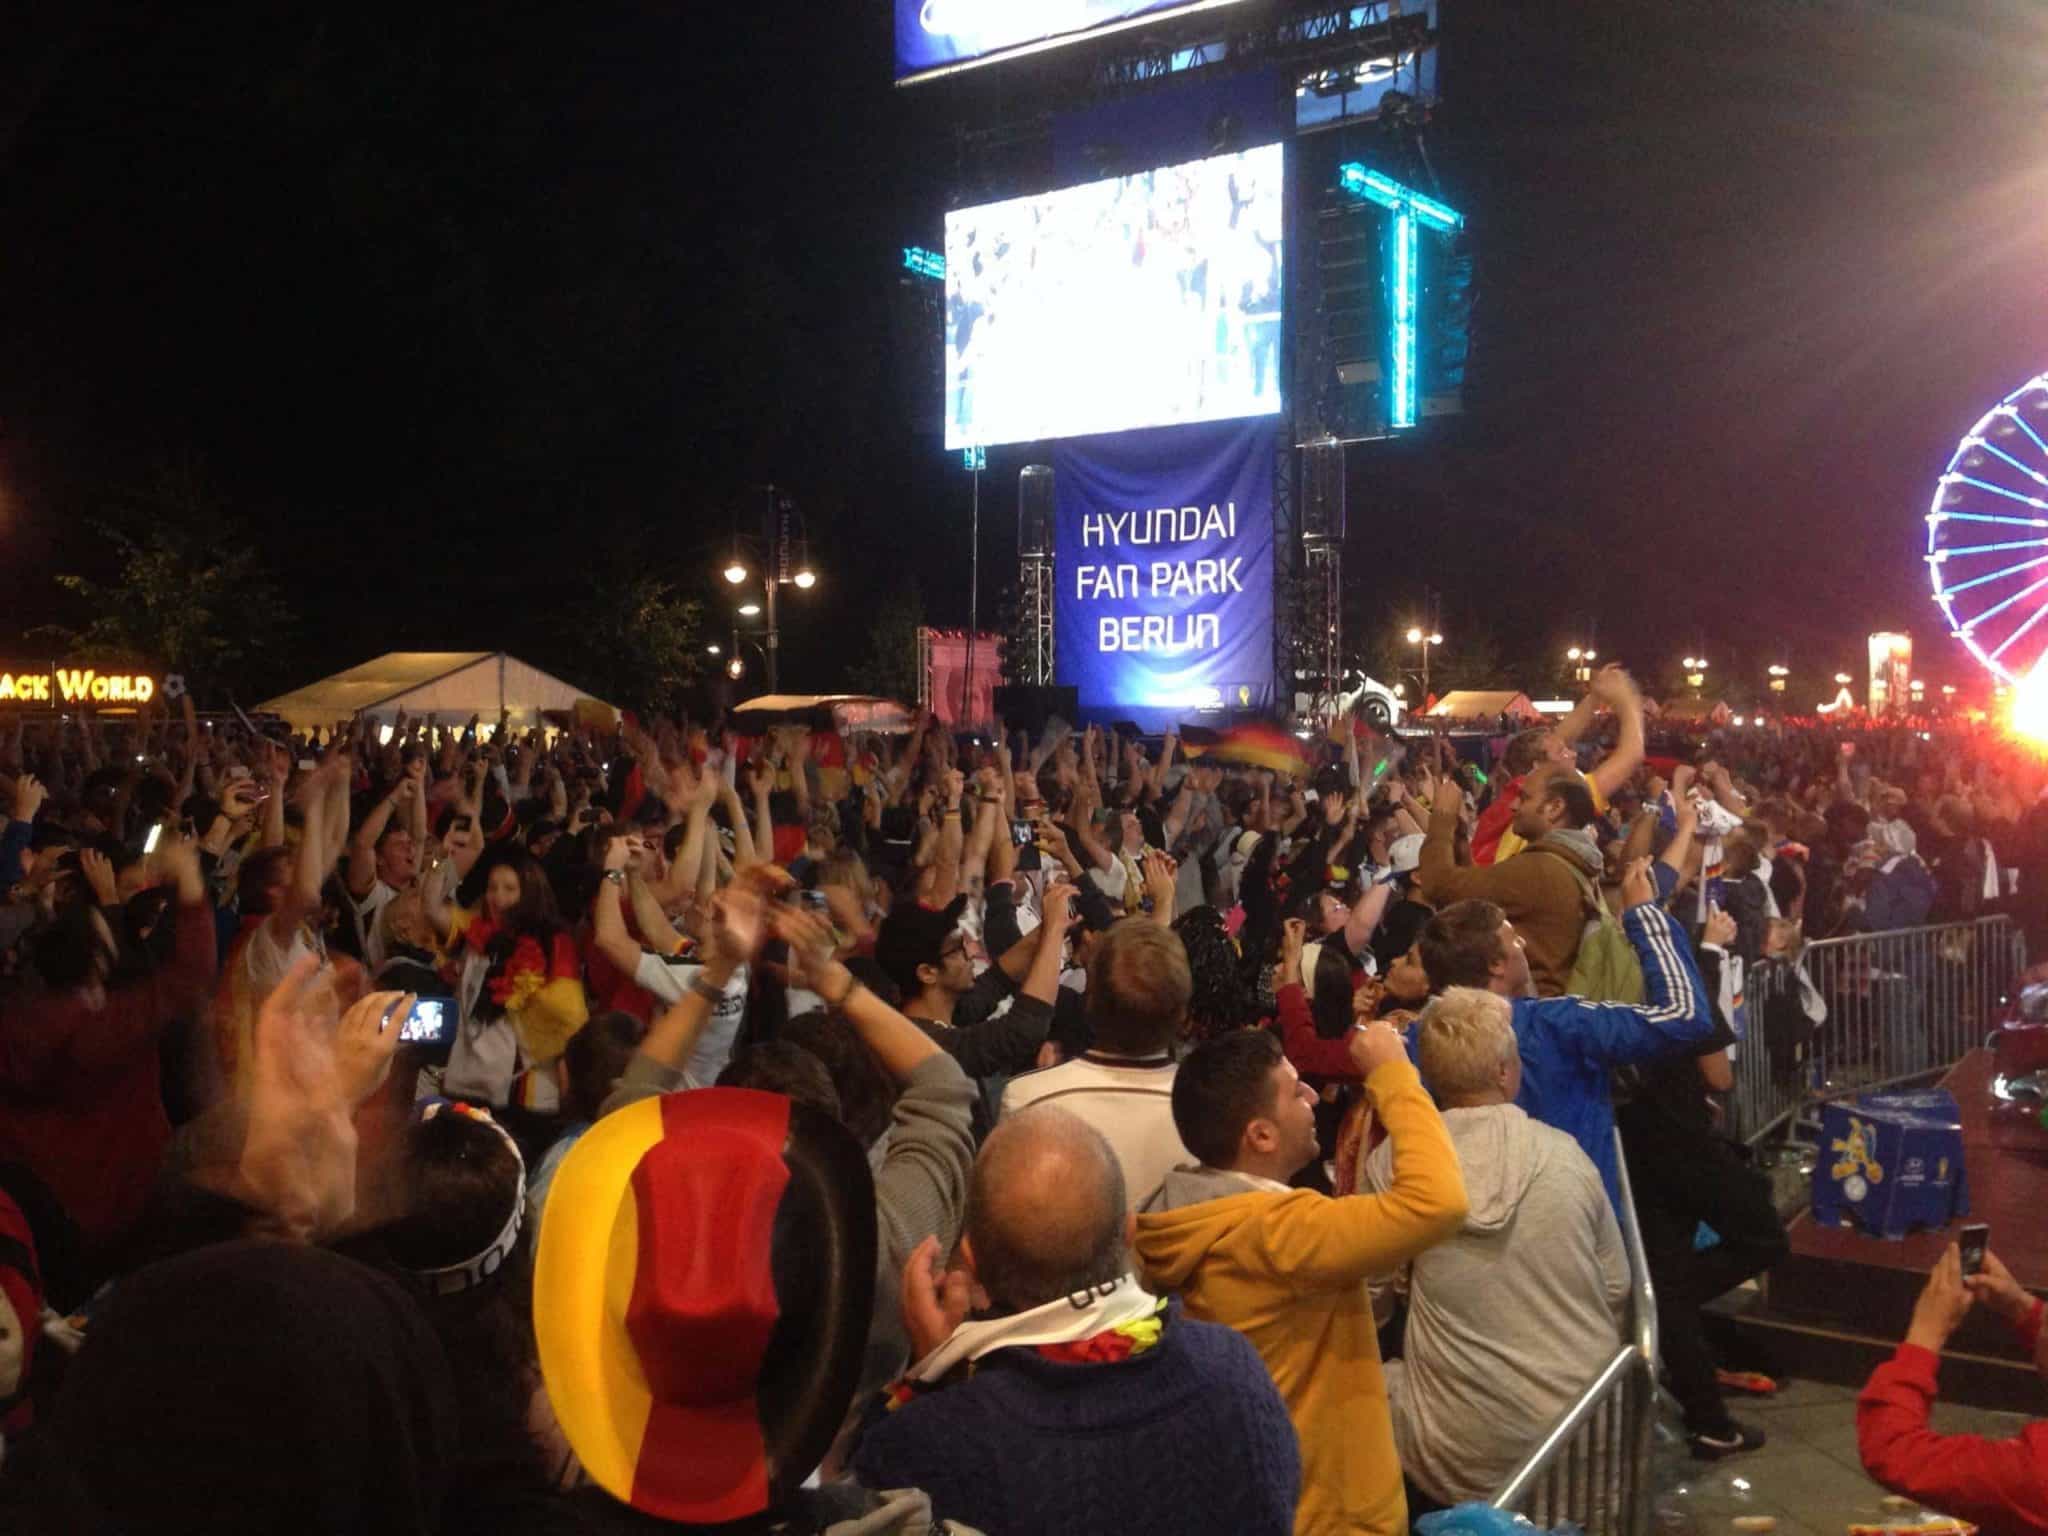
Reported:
(1855, 1013)
(1894, 1006)
(1593, 1467)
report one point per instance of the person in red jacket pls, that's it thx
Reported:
(81, 1101)
(2000, 1485)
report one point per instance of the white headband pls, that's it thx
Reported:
(452, 1279)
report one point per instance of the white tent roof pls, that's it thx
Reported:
(458, 683)
(1462, 704)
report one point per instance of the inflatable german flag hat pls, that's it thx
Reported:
(701, 1297)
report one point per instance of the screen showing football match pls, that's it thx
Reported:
(1139, 301)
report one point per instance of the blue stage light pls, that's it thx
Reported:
(1401, 405)
(1404, 274)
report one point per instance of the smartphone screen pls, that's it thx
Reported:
(1972, 1242)
(428, 1023)
(156, 832)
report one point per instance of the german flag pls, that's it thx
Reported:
(1258, 744)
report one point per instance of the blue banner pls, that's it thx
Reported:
(948, 34)
(1164, 545)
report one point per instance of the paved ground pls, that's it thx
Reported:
(1808, 1475)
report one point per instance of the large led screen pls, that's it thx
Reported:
(1141, 301)
(936, 37)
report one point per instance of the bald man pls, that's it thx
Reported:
(1074, 1400)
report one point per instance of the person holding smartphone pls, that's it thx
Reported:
(2001, 1485)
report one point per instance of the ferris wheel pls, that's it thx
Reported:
(1987, 535)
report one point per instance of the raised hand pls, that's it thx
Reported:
(936, 1300)
(1638, 887)
(312, 1068)
(1943, 1303)
(99, 874)
(809, 938)
(1293, 939)
(1995, 1287)
(1374, 1045)
(1612, 685)
(29, 795)
(1160, 875)
(1719, 929)
(1061, 915)
(740, 920)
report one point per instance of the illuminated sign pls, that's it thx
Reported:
(1891, 671)
(76, 685)
(942, 37)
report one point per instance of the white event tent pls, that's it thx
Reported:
(452, 684)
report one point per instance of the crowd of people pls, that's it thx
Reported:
(438, 1126)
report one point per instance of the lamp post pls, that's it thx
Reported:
(1696, 673)
(736, 663)
(788, 563)
(1581, 658)
(1779, 672)
(1424, 640)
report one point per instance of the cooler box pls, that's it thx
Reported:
(1891, 1163)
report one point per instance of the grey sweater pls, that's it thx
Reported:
(1511, 1318)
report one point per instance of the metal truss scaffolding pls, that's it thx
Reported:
(1034, 590)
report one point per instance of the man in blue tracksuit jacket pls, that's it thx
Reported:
(1569, 1046)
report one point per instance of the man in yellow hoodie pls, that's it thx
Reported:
(1288, 1267)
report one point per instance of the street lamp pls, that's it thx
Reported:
(1696, 672)
(736, 669)
(786, 562)
(1582, 658)
(712, 650)
(1844, 679)
(1779, 672)
(1423, 642)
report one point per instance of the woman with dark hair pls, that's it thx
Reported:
(519, 989)
(461, 1241)
(1226, 995)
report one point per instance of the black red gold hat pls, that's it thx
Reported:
(701, 1298)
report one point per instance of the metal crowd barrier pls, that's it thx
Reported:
(1593, 1466)
(1899, 1005)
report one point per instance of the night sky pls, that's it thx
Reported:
(459, 308)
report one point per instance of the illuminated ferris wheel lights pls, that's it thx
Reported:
(2004, 456)
(1999, 575)
(1986, 517)
(2032, 474)
(1999, 490)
